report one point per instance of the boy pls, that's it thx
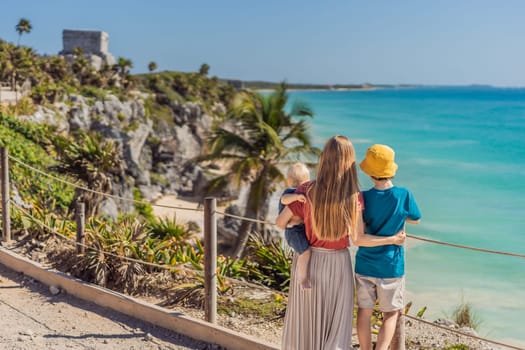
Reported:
(294, 233)
(380, 270)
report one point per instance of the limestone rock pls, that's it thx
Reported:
(109, 208)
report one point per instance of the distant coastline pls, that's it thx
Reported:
(270, 86)
(267, 86)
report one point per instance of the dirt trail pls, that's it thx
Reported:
(33, 318)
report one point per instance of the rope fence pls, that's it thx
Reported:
(256, 221)
(125, 258)
(242, 217)
(135, 201)
(466, 247)
(183, 268)
(237, 216)
(448, 329)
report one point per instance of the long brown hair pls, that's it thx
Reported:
(334, 192)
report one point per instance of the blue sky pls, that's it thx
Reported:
(445, 42)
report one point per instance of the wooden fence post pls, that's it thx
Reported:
(6, 209)
(80, 215)
(398, 341)
(210, 259)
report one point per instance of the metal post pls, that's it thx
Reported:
(210, 259)
(6, 209)
(80, 215)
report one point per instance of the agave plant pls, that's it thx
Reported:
(192, 255)
(170, 229)
(110, 243)
(242, 269)
(274, 263)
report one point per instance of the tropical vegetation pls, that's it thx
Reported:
(204, 69)
(152, 66)
(255, 139)
(465, 316)
(23, 26)
(45, 209)
(114, 249)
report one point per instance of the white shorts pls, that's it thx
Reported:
(388, 291)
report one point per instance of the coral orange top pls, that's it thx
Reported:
(303, 211)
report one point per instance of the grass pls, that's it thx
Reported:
(260, 308)
(464, 316)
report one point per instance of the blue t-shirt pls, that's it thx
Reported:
(384, 215)
(286, 191)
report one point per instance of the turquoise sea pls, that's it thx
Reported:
(461, 150)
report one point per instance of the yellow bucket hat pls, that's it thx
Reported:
(379, 162)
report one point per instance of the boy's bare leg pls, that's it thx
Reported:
(364, 333)
(387, 330)
(398, 340)
(303, 262)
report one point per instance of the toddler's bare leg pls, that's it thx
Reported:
(303, 262)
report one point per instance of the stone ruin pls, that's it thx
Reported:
(93, 43)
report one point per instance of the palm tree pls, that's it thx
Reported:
(204, 69)
(81, 69)
(18, 65)
(23, 26)
(152, 66)
(257, 137)
(6, 61)
(124, 65)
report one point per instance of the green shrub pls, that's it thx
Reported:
(30, 144)
(159, 179)
(94, 92)
(182, 87)
(144, 209)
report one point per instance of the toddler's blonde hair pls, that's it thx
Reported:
(297, 174)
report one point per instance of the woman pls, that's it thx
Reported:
(320, 318)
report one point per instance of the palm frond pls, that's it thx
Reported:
(217, 184)
(301, 109)
(223, 140)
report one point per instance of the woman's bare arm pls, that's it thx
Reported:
(363, 239)
(283, 218)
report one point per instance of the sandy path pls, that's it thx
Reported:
(33, 318)
(186, 209)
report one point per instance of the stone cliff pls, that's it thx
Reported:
(158, 157)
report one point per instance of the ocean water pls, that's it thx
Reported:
(461, 151)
